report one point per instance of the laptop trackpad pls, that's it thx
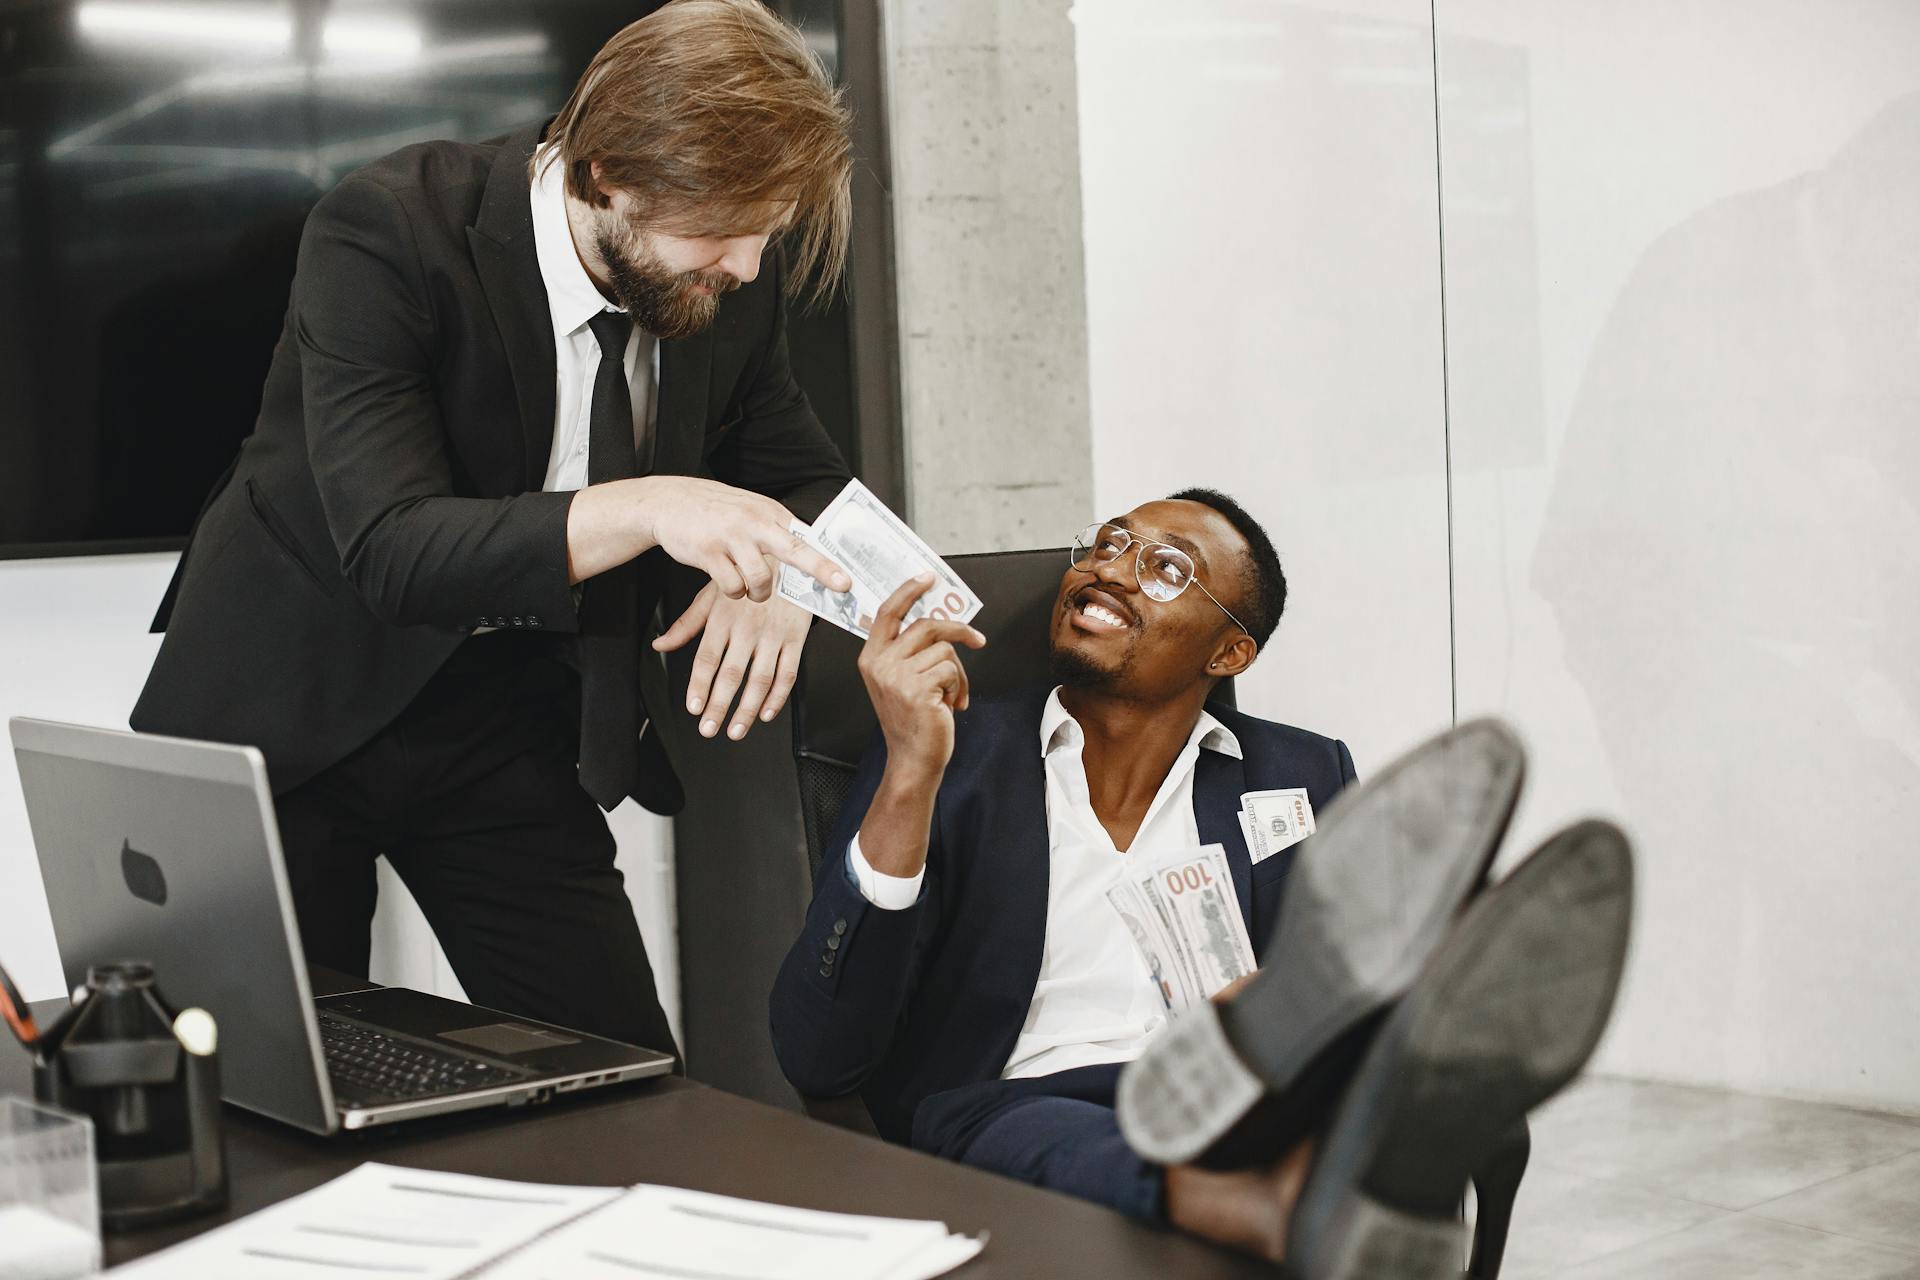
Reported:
(508, 1038)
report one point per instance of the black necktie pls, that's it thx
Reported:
(610, 602)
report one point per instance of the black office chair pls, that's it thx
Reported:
(833, 722)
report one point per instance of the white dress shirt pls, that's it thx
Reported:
(573, 300)
(1094, 1001)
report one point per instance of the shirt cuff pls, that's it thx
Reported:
(889, 893)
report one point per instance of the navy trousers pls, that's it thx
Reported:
(1055, 1131)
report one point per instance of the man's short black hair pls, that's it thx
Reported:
(1263, 591)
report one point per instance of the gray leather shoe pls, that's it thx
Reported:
(1369, 899)
(1509, 1012)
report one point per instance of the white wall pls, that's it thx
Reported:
(74, 646)
(1683, 313)
(1678, 419)
(1263, 317)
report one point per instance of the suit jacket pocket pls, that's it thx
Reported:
(1269, 889)
(1274, 868)
(281, 535)
(717, 435)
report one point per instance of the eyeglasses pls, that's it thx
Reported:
(1163, 572)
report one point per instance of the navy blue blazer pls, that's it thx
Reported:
(900, 1005)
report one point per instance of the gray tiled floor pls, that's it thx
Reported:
(1647, 1180)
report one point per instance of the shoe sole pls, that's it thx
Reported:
(1427, 825)
(1509, 1013)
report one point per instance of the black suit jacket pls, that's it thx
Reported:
(388, 501)
(901, 1005)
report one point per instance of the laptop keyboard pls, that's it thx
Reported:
(370, 1068)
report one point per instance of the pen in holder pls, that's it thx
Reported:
(150, 1080)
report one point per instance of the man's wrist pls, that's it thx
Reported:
(608, 524)
(893, 838)
(640, 510)
(906, 784)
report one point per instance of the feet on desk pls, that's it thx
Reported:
(1245, 1209)
(1507, 1014)
(1367, 903)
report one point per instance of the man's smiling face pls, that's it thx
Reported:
(1108, 635)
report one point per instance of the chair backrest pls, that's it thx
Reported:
(833, 719)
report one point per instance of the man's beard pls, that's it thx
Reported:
(662, 302)
(1076, 670)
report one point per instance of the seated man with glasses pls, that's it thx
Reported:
(961, 966)
(962, 969)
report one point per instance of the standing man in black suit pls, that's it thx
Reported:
(517, 380)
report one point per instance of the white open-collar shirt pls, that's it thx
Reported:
(572, 300)
(1095, 1001)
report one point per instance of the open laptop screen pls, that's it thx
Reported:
(165, 850)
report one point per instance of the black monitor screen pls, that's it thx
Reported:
(157, 161)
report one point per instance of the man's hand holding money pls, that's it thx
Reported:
(879, 552)
(742, 541)
(914, 677)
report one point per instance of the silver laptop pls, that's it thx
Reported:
(166, 850)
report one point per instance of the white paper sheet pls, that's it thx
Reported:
(378, 1221)
(385, 1221)
(670, 1232)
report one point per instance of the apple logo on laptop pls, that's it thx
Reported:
(143, 875)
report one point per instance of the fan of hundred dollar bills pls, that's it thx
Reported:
(1183, 914)
(879, 552)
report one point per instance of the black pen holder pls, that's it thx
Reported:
(155, 1106)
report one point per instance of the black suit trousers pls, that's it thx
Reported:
(472, 795)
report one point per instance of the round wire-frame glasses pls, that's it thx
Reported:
(1162, 571)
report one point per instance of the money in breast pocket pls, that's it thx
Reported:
(1275, 820)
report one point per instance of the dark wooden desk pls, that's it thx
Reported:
(687, 1135)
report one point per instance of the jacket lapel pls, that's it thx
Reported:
(503, 255)
(1218, 781)
(1010, 864)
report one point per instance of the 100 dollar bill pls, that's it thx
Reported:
(1195, 891)
(879, 552)
(1275, 820)
(1184, 917)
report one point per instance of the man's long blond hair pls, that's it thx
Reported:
(712, 114)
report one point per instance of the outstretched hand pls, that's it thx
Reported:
(746, 647)
(737, 538)
(732, 535)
